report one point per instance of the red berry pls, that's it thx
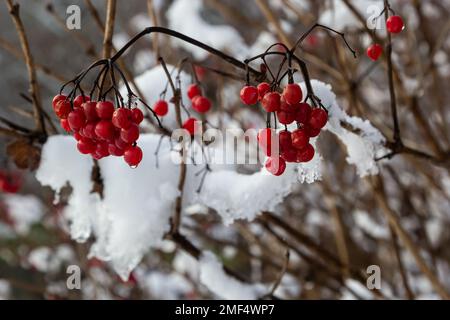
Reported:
(77, 136)
(63, 108)
(292, 93)
(104, 129)
(303, 113)
(131, 134)
(76, 119)
(189, 125)
(289, 155)
(285, 140)
(312, 132)
(306, 154)
(121, 118)
(300, 138)
(374, 51)
(395, 24)
(161, 108)
(56, 99)
(86, 145)
(102, 149)
(284, 106)
(276, 165)
(318, 118)
(286, 117)
(89, 130)
(90, 110)
(271, 101)
(193, 91)
(133, 156)
(79, 100)
(137, 115)
(201, 104)
(114, 150)
(263, 88)
(65, 125)
(265, 138)
(121, 144)
(249, 95)
(105, 109)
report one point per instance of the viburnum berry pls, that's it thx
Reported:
(104, 129)
(105, 109)
(131, 134)
(89, 130)
(121, 118)
(102, 149)
(286, 117)
(136, 115)
(394, 24)
(189, 125)
(90, 110)
(10, 182)
(193, 90)
(201, 104)
(263, 88)
(57, 98)
(265, 138)
(249, 95)
(300, 138)
(303, 113)
(86, 145)
(284, 106)
(161, 108)
(285, 139)
(77, 136)
(271, 101)
(63, 108)
(121, 144)
(318, 118)
(306, 154)
(79, 100)
(275, 165)
(133, 156)
(114, 150)
(374, 51)
(289, 154)
(76, 119)
(312, 132)
(65, 125)
(292, 93)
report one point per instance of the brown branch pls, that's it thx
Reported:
(154, 16)
(109, 28)
(31, 69)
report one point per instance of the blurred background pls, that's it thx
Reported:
(334, 229)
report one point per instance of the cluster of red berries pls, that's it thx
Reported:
(288, 106)
(99, 128)
(394, 25)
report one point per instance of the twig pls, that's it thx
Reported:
(109, 28)
(154, 16)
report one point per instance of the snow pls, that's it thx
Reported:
(218, 282)
(25, 210)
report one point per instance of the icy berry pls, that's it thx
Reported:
(286, 117)
(104, 129)
(90, 110)
(303, 113)
(86, 145)
(121, 118)
(306, 154)
(79, 100)
(105, 109)
(292, 93)
(63, 108)
(193, 90)
(65, 125)
(318, 118)
(76, 119)
(276, 165)
(161, 108)
(131, 134)
(133, 156)
(265, 138)
(300, 138)
(395, 24)
(374, 51)
(249, 95)
(57, 99)
(136, 115)
(189, 125)
(271, 101)
(263, 88)
(201, 104)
